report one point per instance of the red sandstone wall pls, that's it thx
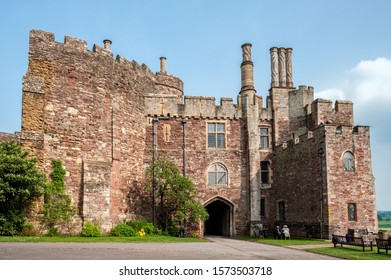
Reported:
(88, 108)
(297, 182)
(199, 158)
(350, 186)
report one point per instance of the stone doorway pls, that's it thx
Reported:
(220, 218)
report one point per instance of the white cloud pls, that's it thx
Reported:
(332, 94)
(368, 82)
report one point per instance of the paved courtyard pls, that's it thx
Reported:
(218, 248)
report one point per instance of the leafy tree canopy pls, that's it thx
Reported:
(20, 184)
(176, 195)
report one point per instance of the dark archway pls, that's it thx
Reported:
(219, 222)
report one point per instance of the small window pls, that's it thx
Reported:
(264, 132)
(352, 212)
(265, 173)
(348, 161)
(338, 130)
(216, 135)
(281, 211)
(263, 206)
(217, 175)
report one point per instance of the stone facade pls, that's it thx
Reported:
(106, 118)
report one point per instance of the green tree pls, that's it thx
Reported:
(20, 184)
(176, 195)
(58, 207)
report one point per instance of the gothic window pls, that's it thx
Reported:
(216, 135)
(348, 161)
(265, 173)
(217, 175)
(352, 212)
(264, 132)
(263, 206)
(281, 211)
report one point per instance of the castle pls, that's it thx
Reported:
(298, 161)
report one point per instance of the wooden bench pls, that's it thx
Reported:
(383, 244)
(354, 241)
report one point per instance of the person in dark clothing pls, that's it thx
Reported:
(277, 233)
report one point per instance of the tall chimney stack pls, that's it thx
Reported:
(289, 79)
(281, 67)
(247, 68)
(274, 67)
(163, 65)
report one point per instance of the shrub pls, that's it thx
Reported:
(133, 228)
(90, 230)
(123, 230)
(20, 185)
(53, 232)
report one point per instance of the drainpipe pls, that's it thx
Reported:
(184, 121)
(154, 153)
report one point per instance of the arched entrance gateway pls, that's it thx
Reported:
(220, 220)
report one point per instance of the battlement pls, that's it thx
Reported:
(44, 40)
(192, 107)
(321, 111)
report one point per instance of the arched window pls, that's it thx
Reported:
(348, 161)
(217, 175)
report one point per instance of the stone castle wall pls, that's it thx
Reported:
(356, 186)
(198, 158)
(84, 108)
(96, 114)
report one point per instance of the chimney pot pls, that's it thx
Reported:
(107, 43)
(163, 64)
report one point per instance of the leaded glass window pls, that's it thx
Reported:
(352, 212)
(348, 161)
(217, 175)
(216, 135)
(264, 132)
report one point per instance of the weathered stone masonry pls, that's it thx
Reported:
(98, 115)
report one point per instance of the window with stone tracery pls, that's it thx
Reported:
(348, 161)
(216, 135)
(217, 175)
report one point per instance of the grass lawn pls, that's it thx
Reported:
(345, 252)
(146, 238)
(352, 253)
(385, 225)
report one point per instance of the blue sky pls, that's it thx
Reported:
(341, 48)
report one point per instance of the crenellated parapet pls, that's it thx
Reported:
(321, 111)
(192, 107)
